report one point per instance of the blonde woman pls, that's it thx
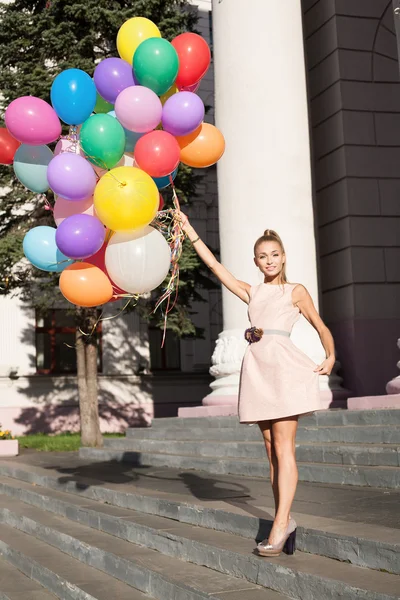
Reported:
(279, 382)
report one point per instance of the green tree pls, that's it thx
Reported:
(38, 40)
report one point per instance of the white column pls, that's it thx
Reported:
(264, 178)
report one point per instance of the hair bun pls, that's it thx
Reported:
(271, 233)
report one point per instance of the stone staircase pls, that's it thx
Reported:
(357, 447)
(76, 531)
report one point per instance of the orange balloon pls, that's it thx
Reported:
(203, 147)
(84, 284)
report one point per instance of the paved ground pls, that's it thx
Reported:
(377, 507)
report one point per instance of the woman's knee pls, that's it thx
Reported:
(284, 449)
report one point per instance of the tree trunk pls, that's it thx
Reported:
(86, 353)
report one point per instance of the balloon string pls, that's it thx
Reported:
(175, 238)
(101, 319)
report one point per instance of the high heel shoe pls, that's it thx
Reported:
(287, 544)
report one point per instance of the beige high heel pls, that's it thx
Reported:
(287, 543)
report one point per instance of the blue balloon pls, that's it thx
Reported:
(73, 96)
(163, 182)
(41, 250)
(30, 166)
(131, 137)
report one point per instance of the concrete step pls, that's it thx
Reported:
(14, 585)
(225, 555)
(62, 576)
(387, 477)
(364, 434)
(155, 573)
(332, 417)
(366, 545)
(347, 454)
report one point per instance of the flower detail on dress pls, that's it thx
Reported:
(253, 334)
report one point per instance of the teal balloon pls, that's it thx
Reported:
(30, 167)
(131, 137)
(103, 140)
(41, 250)
(156, 65)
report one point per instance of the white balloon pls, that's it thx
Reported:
(138, 261)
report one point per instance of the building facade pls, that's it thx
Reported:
(354, 93)
(308, 97)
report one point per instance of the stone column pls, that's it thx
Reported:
(264, 178)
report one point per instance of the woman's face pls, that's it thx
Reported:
(269, 259)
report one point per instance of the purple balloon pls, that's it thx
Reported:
(80, 236)
(182, 113)
(71, 176)
(111, 76)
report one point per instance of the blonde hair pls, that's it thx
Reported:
(271, 236)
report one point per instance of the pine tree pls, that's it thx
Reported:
(38, 40)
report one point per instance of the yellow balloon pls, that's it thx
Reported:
(126, 198)
(172, 90)
(132, 33)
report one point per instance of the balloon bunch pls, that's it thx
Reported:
(130, 127)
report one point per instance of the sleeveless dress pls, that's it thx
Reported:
(277, 378)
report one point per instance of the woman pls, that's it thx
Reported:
(278, 381)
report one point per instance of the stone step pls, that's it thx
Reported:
(62, 576)
(155, 573)
(387, 477)
(14, 585)
(364, 434)
(333, 417)
(227, 556)
(377, 547)
(351, 454)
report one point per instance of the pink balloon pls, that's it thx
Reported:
(65, 208)
(32, 121)
(191, 88)
(138, 109)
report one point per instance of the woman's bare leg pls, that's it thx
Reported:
(265, 427)
(283, 435)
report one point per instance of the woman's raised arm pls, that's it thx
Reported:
(239, 288)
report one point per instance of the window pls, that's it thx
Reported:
(55, 342)
(167, 358)
(210, 29)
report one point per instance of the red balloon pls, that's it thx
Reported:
(99, 260)
(194, 58)
(157, 153)
(8, 147)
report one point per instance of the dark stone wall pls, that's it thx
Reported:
(354, 96)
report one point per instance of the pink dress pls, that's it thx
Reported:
(277, 379)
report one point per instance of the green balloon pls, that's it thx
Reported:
(156, 64)
(103, 140)
(102, 106)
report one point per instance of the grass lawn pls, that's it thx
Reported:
(62, 442)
